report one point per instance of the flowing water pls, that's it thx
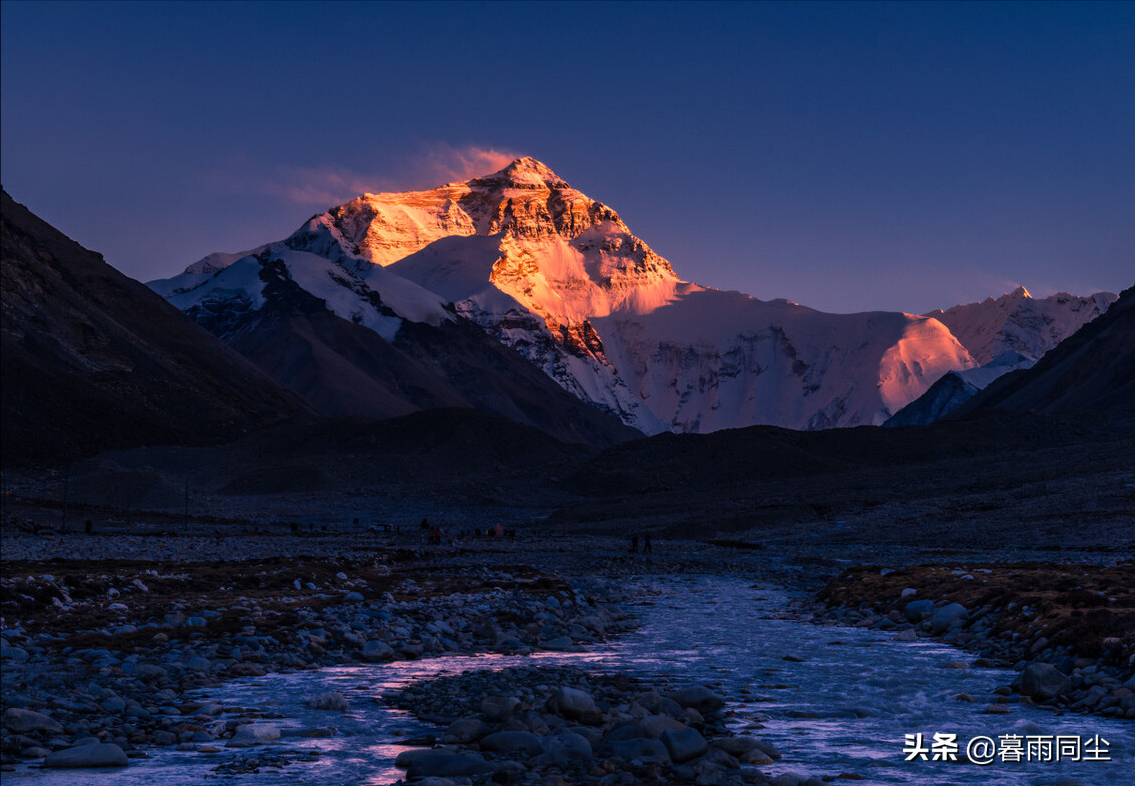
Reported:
(845, 708)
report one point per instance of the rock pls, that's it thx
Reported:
(150, 671)
(684, 744)
(755, 756)
(97, 755)
(20, 721)
(558, 644)
(498, 707)
(446, 764)
(1042, 681)
(353, 597)
(642, 749)
(164, 738)
(996, 709)
(908, 592)
(788, 779)
(512, 742)
(197, 664)
(35, 752)
(917, 608)
(906, 635)
(699, 697)
(572, 703)
(654, 725)
(13, 654)
(945, 616)
(560, 750)
(376, 650)
(258, 731)
(736, 746)
(332, 700)
(466, 730)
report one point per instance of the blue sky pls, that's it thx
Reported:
(900, 156)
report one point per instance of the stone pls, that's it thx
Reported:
(14, 654)
(558, 644)
(654, 725)
(100, 754)
(917, 608)
(642, 749)
(561, 750)
(945, 616)
(466, 730)
(788, 779)
(512, 742)
(258, 731)
(906, 635)
(376, 650)
(684, 744)
(498, 707)
(909, 592)
(572, 703)
(353, 597)
(736, 746)
(197, 664)
(164, 738)
(445, 764)
(698, 697)
(19, 721)
(1043, 681)
(332, 700)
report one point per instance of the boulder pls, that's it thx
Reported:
(654, 725)
(99, 754)
(1043, 681)
(332, 700)
(512, 742)
(466, 730)
(498, 707)
(21, 721)
(684, 744)
(561, 750)
(572, 703)
(376, 650)
(945, 616)
(699, 698)
(445, 764)
(642, 749)
(917, 608)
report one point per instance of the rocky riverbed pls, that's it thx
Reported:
(1068, 630)
(113, 659)
(98, 658)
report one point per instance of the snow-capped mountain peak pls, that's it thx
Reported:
(560, 278)
(1018, 322)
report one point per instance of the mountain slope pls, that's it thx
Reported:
(1018, 322)
(95, 360)
(560, 278)
(364, 342)
(1091, 371)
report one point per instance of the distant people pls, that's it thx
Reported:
(498, 530)
(646, 549)
(634, 544)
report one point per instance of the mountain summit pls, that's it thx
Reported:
(560, 278)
